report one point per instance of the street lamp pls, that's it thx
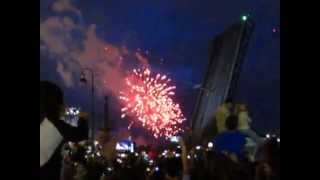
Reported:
(84, 80)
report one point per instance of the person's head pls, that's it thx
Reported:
(270, 155)
(232, 122)
(51, 101)
(173, 168)
(229, 103)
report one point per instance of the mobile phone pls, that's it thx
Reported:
(125, 146)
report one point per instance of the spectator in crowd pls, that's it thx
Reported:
(53, 131)
(231, 141)
(221, 115)
(244, 123)
(268, 164)
(253, 140)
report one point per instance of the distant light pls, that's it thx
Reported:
(178, 147)
(177, 155)
(119, 161)
(268, 136)
(109, 169)
(198, 147)
(244, 18)
(210, 145)
(148, 169)
(278, 140)
(189, 157)
(123, 155)
(157, 168)
(96, 143)
(136, 154)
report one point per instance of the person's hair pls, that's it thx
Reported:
(229, 100)
(232, 122)
(51, 101)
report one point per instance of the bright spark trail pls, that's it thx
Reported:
(148, 100)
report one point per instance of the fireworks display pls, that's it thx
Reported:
(148, 100)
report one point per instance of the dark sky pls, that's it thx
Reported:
(179, 31)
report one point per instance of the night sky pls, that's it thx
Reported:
(174, 37)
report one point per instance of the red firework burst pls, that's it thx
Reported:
(148, 100)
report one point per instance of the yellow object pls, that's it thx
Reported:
(221, 115)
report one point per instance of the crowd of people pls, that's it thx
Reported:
(236, 152)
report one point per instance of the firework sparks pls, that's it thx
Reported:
(148, 100)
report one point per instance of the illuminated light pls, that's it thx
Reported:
(157, 168)
(244, 18)
(96, 143)
(179, 147)
(148, 100)
(278, 140)
(268, 136)
(109, 169)
(119, 161)
(189, 157)
(210, 145)
(177, 155)
(98, 154)
(148, 169)
(123, 155)
(70, 143)
(198, 147)
(136, 154)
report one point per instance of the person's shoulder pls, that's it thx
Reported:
(241, 134)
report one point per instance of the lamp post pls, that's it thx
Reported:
(84, 80)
